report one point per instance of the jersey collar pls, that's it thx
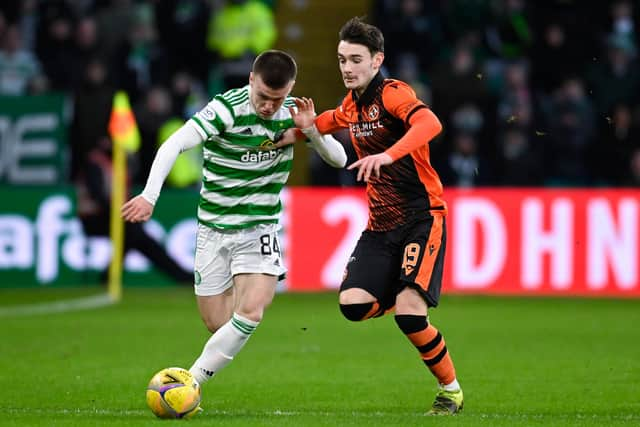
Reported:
(370, 92)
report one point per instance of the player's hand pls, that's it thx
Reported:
(137, 209)
(370, 164)
(305, 114)
(289, 137)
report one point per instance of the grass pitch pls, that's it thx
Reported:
(536, 361)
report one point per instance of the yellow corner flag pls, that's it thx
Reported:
(126, 137)
(122, 124)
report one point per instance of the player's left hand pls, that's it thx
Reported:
(370, 164)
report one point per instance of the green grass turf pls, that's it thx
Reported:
(536, 361)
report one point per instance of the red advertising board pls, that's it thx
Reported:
(500, 241)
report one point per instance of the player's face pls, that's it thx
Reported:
(357, 65)
(266, 100)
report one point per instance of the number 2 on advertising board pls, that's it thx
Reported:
(353, 210)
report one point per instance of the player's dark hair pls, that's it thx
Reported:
(359, 32)
(276, 68)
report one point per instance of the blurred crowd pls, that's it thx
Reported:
(530, 93)
(168, 55)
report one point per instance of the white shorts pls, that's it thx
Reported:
(221, 254)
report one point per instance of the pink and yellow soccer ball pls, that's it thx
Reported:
(174, 393)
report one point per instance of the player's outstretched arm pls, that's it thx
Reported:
(329, 149)
(141, 207)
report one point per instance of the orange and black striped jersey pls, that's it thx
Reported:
(381, 120)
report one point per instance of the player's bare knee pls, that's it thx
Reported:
(255, 316)
(252, 312)
(409, 301)
(345, 298)
(355, 296)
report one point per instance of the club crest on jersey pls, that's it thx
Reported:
(374, 112)
(268, 144)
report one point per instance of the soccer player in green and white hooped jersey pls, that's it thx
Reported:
(246, 135)
(242, 177)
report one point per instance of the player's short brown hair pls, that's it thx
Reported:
(276, 68)
(359, 32)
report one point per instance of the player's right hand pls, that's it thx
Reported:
(137, 209)
(370, 165)
(304, 115)
(289, 137)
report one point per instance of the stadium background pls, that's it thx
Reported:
(536, 105)
(541, 164)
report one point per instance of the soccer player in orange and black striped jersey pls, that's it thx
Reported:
(398, 260)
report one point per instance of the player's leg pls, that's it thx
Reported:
(215, 297)
(255, 293)
(216, 310)
(252, 258)
(364, 292)
(422, 272)
(411, 317)
(256, 265)
(233, 318)
(357, 304)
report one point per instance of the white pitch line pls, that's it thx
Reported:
(62, 306)
(328, 414)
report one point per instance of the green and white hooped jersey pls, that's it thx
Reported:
(242, 178)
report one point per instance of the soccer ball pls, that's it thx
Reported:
(173, 393)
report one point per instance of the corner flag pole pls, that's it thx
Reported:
(126, 137)
(117, 227)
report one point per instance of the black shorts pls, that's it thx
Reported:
(385, 262)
